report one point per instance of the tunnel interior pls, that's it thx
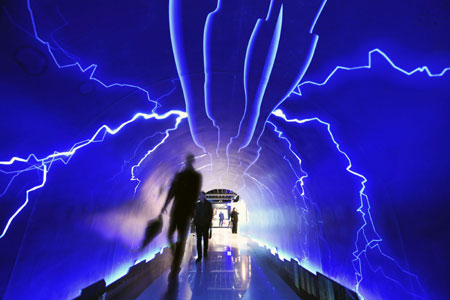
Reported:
(325, 121)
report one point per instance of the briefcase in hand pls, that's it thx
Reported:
(154, 227)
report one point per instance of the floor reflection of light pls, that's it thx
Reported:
(243, 272)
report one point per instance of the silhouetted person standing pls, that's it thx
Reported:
(234, 220)
(185, 189)
(202, 219)
(221, 217)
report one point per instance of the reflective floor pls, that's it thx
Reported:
(229, 272)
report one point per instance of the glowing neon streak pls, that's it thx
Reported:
(44, 180)
(92, 67)
(295, 86)
(133, 176)
(69, 55)
(52, 35)
(65, 156)
(135, 153)
(364, 199)
(302, 192)
(207, 71)
(246, 75)
(9, 183)
(300, 179)
(267, 69)
(104, 129)
(424, 69)
(176, 40)
(259, 183)
(309, 58)
(16, 24)
(316, 18)
(203, 167)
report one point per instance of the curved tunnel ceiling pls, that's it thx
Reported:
(337, 145)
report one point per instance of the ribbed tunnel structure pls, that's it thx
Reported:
(327, 122)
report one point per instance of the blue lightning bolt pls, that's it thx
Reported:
(44, 164)
(300, 182)
(180, 62)
(135, 153)
(92, 67)
(264, 80)
(138, 147)
(423, 69)
(260, 184)
(52, 36)
(370, 243)
(44, 170)
(133, 176)
(374, 243)
(207, 71)
(316, 18)
(300, 75)
(267, 69)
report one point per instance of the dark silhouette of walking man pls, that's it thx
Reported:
(202, 219)
(221, 217)
(185, 190)
(234, 220)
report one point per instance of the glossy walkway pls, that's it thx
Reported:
(228, 273)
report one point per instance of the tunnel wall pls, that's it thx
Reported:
(348, 177)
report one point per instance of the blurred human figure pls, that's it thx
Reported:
(202, 219)
(185, 189)
(221, 217)
(234, 220)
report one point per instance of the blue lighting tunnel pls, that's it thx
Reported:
(328, 122)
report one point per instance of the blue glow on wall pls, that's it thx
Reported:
(329, 119)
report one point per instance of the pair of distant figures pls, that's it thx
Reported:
(234, 220)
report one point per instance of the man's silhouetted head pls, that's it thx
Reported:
(190, 158)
